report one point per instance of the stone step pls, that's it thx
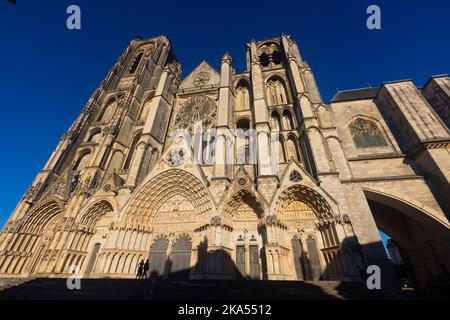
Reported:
(193, 289)
(6, 283)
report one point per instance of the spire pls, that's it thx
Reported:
(227, 58)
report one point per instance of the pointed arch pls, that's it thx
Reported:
(147, 199)
(39, 222)
(83, 160)
(292, 148)
(40, 216)
(108, 110)
(145, 108)
(242, 99)
(288, 121)
(275, 121)
(280, 149)
(276, 91)
(242, 142)
(243, 197)
(95, 212)
(366, 133)
(94, 135)
(316, 202)
(131, 151)
(181, 257)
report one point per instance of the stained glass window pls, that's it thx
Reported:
(366, 134)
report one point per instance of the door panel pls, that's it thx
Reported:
(314, 260)
(181, 258)
(297, 252)
(158, 256)
(254, 262)
(240, 260)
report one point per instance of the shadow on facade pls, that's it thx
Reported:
(212, 263)
(216, 276)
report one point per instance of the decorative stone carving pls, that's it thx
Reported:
(272, 220)
(216, 221)
(74, 182)
(202, 79)
(177, 156)
(295, 176)
(59, 188)
(194, 110)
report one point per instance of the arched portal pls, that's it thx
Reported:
(88, 239)
(176, 186)
(172, 202)
(311, 234)
(421, 238)
(245, 210)
(29, 244)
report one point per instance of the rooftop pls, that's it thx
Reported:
(355, 94)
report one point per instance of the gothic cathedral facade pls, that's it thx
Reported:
(120, 187)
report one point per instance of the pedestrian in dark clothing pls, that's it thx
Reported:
(140, 270)
(146, 268)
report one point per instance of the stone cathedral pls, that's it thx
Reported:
(120, 187)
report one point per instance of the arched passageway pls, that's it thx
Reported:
(422, 240)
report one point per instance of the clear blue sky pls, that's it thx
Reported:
(48, 72)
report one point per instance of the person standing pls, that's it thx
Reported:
(146, 268)
(140, 269)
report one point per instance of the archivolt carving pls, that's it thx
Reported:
(95, 213)
(38, 218)
(304, 196)
(163, 187)
(243, 205)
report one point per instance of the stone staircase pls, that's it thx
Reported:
(6, 283)
(130, 289)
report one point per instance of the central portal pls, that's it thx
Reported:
(246, 214)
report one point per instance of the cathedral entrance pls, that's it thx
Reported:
(174, 218)
(246, 212)
(311, 236)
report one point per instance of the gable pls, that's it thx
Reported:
(203, 76)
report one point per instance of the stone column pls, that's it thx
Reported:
(262, 126)
(366, 230)
(222, 168)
